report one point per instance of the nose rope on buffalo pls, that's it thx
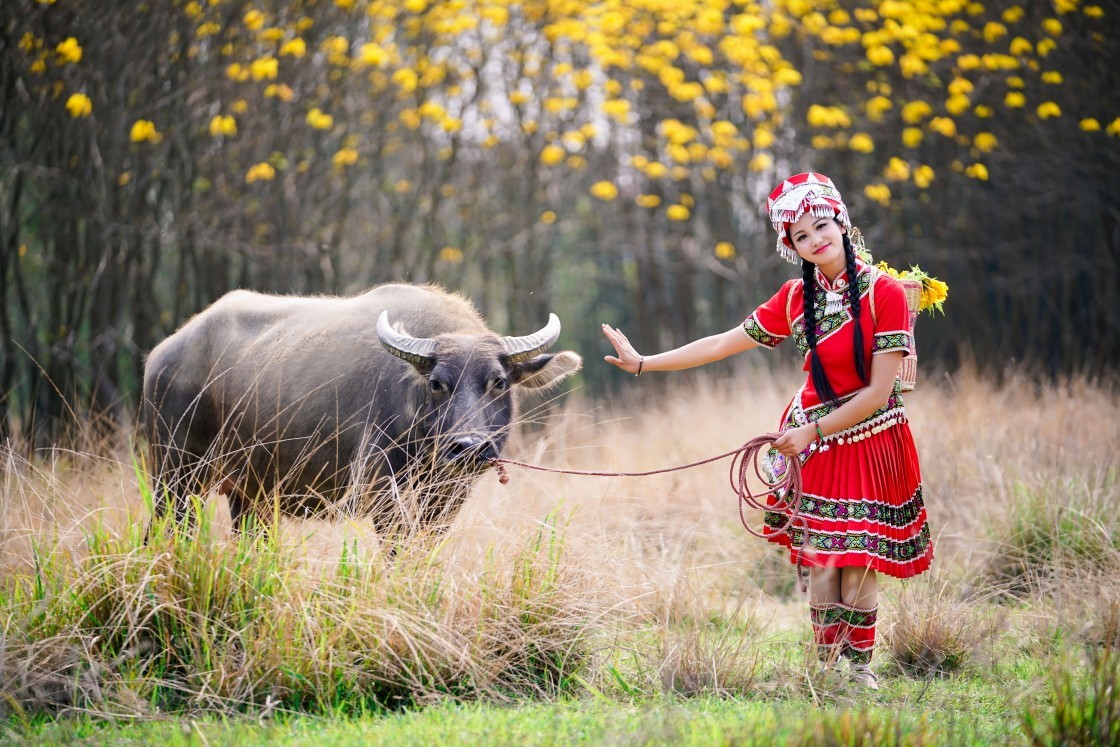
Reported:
(785, 490)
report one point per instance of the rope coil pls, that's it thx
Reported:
(786, 490)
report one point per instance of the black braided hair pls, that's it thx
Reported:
(853, 303)
(816, 368)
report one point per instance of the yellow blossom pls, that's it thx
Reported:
(265, 68)
(254, 20)
(880, 193)
(260, 172)
(1013, 14)
(985, 142)
(977, 171)
(604, 190)
(239, 107)
(724, 250)
(79, 105)
(934, 293)
(677, 212)
(345, 157)
(293, 48)
(897, 170)
(968, 62)
(318, 120)
(647, 201)
(994, 31)
(1020, 46)
(451, 254)
(69, 50)
(957, 105)
(944, 126)
(1053, 77)
(861, 142)
(880, 55)
(617, 109)
(1094, 11)
(884, 267)
(372, 54)
(279, 90)
(144, 130)
(552, 154)
(761, 162)
(223, 126)
(1048, 109)
(1014, 100)
(923, 176)
(914, 112)
(1052, 26)
(656, 170)
(1090, 125)
(984, 112)
(548, 217)
(1113, 127)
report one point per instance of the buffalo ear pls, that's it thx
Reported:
(545, 371)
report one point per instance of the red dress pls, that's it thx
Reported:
(862, 489)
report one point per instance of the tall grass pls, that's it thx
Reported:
(552, 584)
(190, 623)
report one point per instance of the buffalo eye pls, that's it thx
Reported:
(437, 386)
(498, 384)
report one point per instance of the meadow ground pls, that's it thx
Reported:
(570, 609)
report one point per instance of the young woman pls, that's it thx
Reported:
(862, 493)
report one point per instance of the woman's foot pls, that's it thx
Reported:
(862, 675)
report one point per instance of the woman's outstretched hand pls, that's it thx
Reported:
(625, 357)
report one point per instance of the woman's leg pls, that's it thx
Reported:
(858, 612)
(824, 601)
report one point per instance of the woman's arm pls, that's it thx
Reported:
(696, 353)
(884, 369)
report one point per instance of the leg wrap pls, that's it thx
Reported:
(826, 627)
(856, 634)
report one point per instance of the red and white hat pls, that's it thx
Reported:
(801, 193)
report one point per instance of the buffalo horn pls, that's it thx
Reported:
(520, 349)
(416, 350)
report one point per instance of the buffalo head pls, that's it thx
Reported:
(468, 398)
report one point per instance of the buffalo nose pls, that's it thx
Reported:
(471, 448)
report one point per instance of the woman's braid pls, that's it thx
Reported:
(853, 303)
(816, 368)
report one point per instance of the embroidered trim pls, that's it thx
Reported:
(896, 517)
(889, 342)
(867, 543)
(754, 330)
(831, 308)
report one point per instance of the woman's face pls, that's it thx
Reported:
(820, 241)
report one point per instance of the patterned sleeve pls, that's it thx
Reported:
(892, 317)
(768, 325)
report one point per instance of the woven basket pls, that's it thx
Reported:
(908, 372)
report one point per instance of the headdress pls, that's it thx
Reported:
(801, 193)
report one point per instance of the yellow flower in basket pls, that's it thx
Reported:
(934, 291)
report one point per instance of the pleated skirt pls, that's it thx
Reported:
(861, 506)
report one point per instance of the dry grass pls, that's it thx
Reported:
(534, 577)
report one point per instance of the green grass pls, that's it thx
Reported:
(969, 710)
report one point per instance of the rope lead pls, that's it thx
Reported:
(786, 491)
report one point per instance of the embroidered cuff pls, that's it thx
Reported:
(889, 342)
(756, 332)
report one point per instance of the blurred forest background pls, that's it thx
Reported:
(608, 161)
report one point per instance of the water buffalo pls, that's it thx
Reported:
(387, 404)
